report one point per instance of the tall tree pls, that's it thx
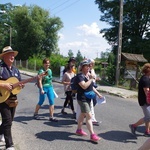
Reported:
(5, 24)
(70, 53)
(79, 57)
(36, 33)
(136, 25)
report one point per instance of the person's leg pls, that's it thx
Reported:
(92, 111)
(7, 124)
(134, 126)
(85, 109)
(71, 101)
(89, 122)
(65, 104)
(50, 95)
(146, 145)
(94, 121)
(80, 119)
(41, 101)
(146, 112)
(37, 109)
(1, 128)
(139, 122)
(51, 110)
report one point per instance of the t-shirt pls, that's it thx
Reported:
(67, 78)
(46, 80)
(80, 91)
(6, 73)
(143, 83)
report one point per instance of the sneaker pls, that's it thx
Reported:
(95, 138)
(53, 119)
(95, 123)
(132, 128)
(10, 148)
(147, 134)
(2, 138)
(63, 112)
(81, 132)
(36, 117)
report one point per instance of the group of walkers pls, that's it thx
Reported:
(86, 95)
(9, 75)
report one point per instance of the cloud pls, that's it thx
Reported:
(90, 31)
(87, 39)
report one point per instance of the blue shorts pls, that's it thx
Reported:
(49, 91)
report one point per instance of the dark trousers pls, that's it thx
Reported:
(69, 98)
(7, 114)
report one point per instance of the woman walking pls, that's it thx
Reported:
(69, 74)
(45, 88)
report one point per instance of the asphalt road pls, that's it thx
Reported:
(116, 115)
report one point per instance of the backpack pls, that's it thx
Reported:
(74, 85)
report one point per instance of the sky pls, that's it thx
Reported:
(81, 25)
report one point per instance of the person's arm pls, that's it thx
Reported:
(84, 84)
(97, 92)
(146, 90)
(40, 85)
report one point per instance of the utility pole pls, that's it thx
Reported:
(119, 42)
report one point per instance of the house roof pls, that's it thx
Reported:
(134, 57)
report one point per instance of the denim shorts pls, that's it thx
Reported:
(84, 106)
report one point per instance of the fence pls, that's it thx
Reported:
(25, 64)
(35, 66)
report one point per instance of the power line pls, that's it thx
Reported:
(67, 7)
(59, 5)
(56, 2)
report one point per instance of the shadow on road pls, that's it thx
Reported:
(119, 136)
(59, 135)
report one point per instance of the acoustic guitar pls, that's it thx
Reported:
(4, 93)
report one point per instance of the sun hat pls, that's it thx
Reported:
(6, 50)
(85, 62)
(71, 59)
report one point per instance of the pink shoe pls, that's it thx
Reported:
(81, 132)
(95, 138)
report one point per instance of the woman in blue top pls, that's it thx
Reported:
(45, 88)
(85, 85)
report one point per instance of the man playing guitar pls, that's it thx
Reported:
(8, 106)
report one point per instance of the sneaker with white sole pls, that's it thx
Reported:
(10, 148)
(2, 138)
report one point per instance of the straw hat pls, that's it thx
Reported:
(6, 50)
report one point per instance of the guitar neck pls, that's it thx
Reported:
(23, 81)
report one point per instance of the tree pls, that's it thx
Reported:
(136, 25)
(36, 33)
(70, 53)
(79, 57)
(5, 18)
